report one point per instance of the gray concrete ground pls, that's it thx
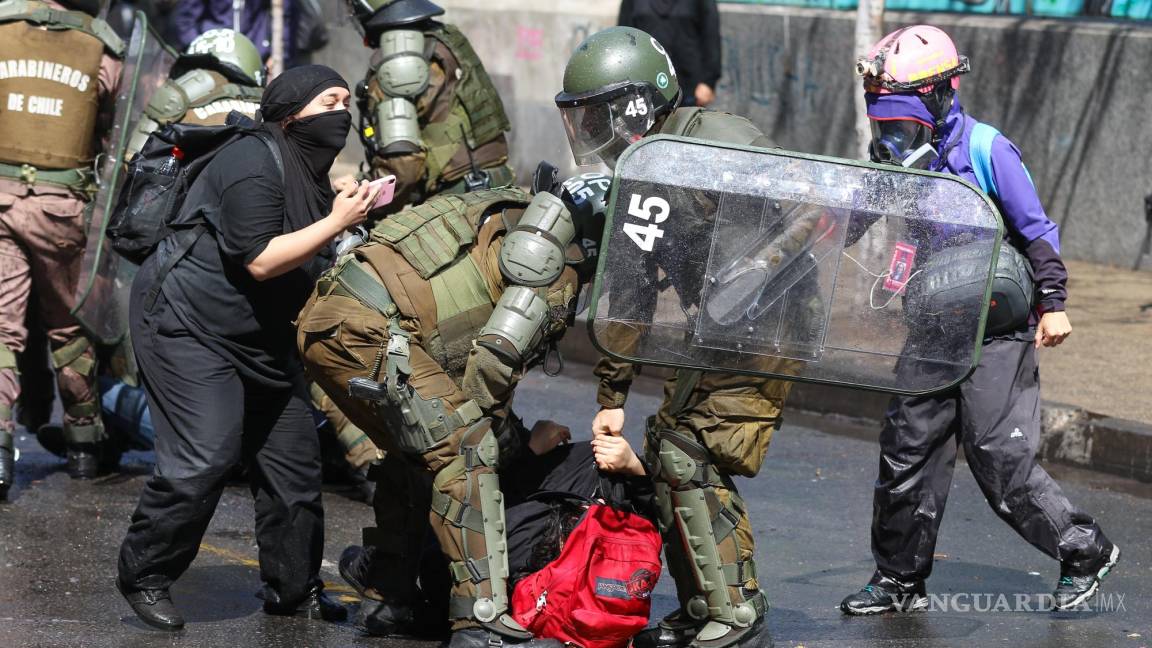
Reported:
(811, 508)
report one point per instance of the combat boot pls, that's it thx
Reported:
(719, 635)
(676, 630)
(884, 594)
(1078, 583)
(51, 438)
(7, 470)
(484, 638)
(83, 461)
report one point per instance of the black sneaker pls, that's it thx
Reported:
(1077, 585)
(883, 594)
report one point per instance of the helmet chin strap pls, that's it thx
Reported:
(939, 104)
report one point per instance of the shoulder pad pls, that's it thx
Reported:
(403, 68)
(168, 103)
(196, 84)
(712, 126)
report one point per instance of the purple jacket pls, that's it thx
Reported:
(194, 17)
(1029, 227)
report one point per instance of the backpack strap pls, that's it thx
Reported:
(980, 150)
(187, 238)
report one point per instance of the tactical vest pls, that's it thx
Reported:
(446, 242)
(49, 84)
(477, 116)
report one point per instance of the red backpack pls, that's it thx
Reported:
(598, 592)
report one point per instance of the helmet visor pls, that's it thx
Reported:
(600, 129)
(894, 140)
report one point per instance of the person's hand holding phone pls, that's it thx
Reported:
(385, 189)
(351, 205)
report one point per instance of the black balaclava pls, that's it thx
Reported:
(308, 146)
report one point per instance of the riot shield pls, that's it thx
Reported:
(105, 277)
(794, 266)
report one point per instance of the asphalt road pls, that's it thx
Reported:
(811, 509)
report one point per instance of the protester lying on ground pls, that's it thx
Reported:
(583, 550)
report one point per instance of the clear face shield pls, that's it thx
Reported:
(600, 127)
(902, 142)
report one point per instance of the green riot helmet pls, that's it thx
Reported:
(233, 52)
(375, 16)
(586, 196)
(617, 84)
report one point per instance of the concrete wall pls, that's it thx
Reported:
(1072, 94)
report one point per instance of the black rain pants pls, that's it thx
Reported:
(995, 415)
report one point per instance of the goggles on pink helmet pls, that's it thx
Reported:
(912, 59)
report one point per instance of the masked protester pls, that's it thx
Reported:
(420, 336)
(911, 78)
(49, 131)
(620, 86)
(214, 341)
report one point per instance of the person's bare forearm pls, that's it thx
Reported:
(290, 251)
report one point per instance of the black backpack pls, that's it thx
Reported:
(150, 206)
(151, 200)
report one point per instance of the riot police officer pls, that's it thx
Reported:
(62, 65)
(221, 71)
(429, 113)
(420, 336)
(620, 86)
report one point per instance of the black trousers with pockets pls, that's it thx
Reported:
(208, 418)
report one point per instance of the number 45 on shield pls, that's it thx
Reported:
(652, 208)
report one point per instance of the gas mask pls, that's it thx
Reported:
(902, 142)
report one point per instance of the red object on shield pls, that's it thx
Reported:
(900, 267)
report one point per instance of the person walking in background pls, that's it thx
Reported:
(690, 32)
(253, 18)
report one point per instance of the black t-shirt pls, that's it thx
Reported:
(211, 291)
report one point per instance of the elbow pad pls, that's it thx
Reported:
(533, 252)
(516, 325)
(402, 75)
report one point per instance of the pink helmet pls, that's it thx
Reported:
(912, 59)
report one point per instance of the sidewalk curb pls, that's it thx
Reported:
(1069, 435)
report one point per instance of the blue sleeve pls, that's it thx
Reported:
(1029, 225)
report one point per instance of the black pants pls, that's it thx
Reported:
(208, 418)
(995, 414)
